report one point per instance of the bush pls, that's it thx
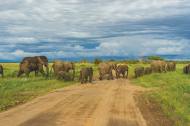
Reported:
(97, 61)
(155, 58)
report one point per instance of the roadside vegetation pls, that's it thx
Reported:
(172, 93)
(15, 91)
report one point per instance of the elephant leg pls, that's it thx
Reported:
(90, 79)
(86, 79)
(47, 70)
(27, 74)
(127, 74)
(2, 74)
(100, 77)
(118, 75)
(36, 73)
(111, 75)
(42, 71)
(81, 79)
(123, 74)
(20, 73)
(73, 75)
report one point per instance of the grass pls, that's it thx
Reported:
(14, 91)
(173, 93)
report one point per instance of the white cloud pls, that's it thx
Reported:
(57, 27)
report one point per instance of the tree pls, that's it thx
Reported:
(155, 58)
(97, 61)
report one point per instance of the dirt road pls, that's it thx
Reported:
(105, 103)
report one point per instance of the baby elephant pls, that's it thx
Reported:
(139, 71)
(1, 70)
(63, 75)
(86, 75)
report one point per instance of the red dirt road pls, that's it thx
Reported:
(105, 103)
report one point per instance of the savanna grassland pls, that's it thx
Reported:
(171, 90)
(14, 91)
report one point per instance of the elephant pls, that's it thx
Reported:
(139, 71)
(122, 69)
(106, 69)
(186, 69)
(1, 70)
(147, 70)
(86, 75)
(63, 75)
(159, 66)
(26, 67)
(171, 66)
(38, 60)
(63, 66)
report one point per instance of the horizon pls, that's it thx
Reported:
(108, 58)
(79, 29)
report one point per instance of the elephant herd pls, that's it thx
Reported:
(106, 70)
(62, 71)
(155, 67)
(66, 70)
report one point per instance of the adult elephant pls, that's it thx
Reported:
(147, 70)
(122, 69)
(186, 69)
(171, 66)
(1, 70)
(159, 66)
(86, 75)
(106, 69)
(63, 66)
(26, 67)
(38, 60)
(139, 71)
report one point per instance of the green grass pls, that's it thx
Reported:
(173, 93)
(14, 91)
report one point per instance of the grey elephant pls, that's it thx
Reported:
(26, 67)
(147, 70)
(122, 69)
(159, 66)
(171, 66)
(86, 75)
(1, 71)
(139, 71)
(186, 69)
(59, 65)
(37, 61)
(106, 69)
(63, 75)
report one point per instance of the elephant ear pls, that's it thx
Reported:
(40, 60)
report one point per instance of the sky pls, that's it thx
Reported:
(62, 29)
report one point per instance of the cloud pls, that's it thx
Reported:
(79, 28)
